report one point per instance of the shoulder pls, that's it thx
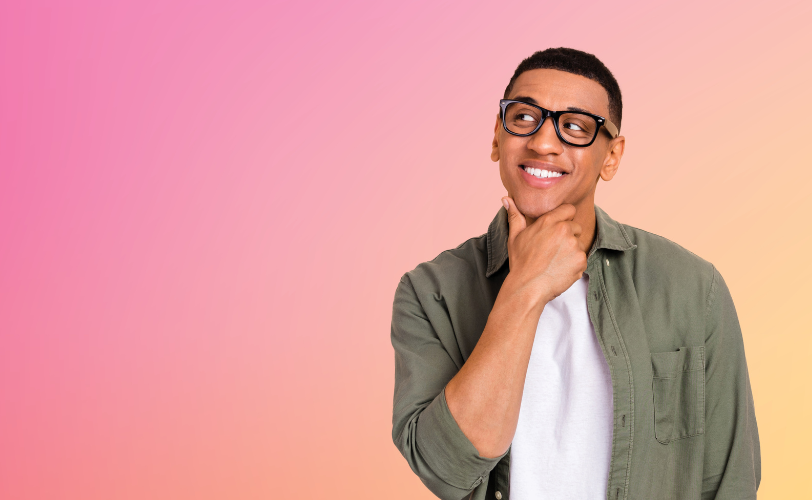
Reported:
(652, 246)
(464, 263)
(666, 262)
(674, 287)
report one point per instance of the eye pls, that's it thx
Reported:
(572, 126)
(525, 117)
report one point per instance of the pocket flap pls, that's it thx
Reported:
(685, 359)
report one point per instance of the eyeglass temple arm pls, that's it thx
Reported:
(611, 128)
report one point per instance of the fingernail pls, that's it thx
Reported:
(505, 203)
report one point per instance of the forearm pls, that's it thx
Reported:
(485, 395)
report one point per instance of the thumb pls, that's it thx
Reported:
(516, 220)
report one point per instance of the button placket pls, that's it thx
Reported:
(612, 344)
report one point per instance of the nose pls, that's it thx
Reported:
(545, 141)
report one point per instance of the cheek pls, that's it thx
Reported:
(585, 162)
(514, 152)
(505, 157)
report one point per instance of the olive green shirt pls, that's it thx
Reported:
(684, 419)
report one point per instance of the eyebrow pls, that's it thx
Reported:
(533, 101)
(574, 108)
(526, 99)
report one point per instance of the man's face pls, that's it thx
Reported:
(581, 166)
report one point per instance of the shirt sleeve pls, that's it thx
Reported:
(423, 428)
(732, 465)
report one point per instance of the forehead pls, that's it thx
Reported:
(558, 90)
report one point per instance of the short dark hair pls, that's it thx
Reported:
(578, 63)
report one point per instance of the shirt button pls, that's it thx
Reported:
(607, 262)
(498, 495)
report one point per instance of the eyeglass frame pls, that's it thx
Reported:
(611, 128)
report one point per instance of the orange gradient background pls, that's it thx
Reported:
(205, 209)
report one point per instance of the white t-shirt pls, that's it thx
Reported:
(562, 445)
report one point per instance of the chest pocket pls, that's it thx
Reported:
(678, 383)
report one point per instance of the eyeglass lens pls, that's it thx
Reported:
(575, 128)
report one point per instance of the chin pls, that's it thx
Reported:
(537, 208)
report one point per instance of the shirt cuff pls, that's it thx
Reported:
(447, 450)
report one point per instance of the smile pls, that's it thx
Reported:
(540, 173)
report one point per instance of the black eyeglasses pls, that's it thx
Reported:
(576, 128)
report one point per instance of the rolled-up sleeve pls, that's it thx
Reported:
(423, 428)
(732, 465)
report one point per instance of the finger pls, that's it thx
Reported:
(562, 212)
(516, 220)
(575, 227)
(582, 245)
(577, 230)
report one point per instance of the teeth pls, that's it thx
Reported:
(542, 174)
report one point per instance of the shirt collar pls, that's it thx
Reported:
(610, 235)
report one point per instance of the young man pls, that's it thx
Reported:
(563, 354)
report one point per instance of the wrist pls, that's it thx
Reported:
(524, 293)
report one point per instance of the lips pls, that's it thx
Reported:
(543, 173)
(551, 177)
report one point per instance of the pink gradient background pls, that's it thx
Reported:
(195, 296)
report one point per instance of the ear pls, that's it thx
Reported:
(611, 161)
(495, 144)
